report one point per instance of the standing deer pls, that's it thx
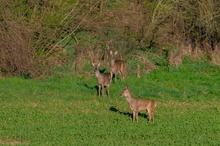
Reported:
(103, 79)
(137, 104)
(117, 65)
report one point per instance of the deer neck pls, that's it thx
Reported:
(129, 98)
(112, 62)
(97, 73)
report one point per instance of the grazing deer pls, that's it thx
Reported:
(117, 65)
(103, 79)
(137, 104)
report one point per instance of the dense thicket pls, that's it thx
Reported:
(37, 37)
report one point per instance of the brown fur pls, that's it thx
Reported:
(138, 104)
(117, 65)
(103, 79)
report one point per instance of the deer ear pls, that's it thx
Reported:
(126, 87)
(93, 64)
(116, 52)
(110, 52)
(98, 64)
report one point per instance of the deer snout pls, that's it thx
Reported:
(95, 69)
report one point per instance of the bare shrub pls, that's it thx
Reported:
(144, 65)
(35, 35)
(215, 55)
(29, 38)
(175, 57)
(16, 52)
(185, 23)
(197, 52)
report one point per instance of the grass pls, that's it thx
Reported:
(67, 111)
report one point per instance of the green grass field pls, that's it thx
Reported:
(67, 111)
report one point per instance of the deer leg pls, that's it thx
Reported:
(108, 90)
(103, 88)
(115, 76)
(149, 114)
(133, 116)
(121, 75)
(136, 116)
(152, 116)
(99, 89)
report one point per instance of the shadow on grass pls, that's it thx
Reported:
(84, 85)
(97, 89)
(91, 87)
(113, 109)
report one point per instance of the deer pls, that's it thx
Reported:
(138, 104)
(103, 79)
(117, 65)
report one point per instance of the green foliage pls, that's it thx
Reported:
(66, 110)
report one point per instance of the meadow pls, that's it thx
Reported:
(67, 111)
